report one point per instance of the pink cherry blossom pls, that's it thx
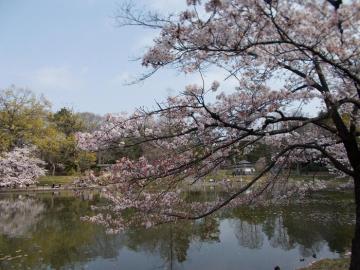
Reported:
(20, 167)
(284, 55)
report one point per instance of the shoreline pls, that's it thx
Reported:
(326, 264)
(46, 189)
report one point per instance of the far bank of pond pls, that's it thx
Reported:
(218, 179)
(44, 231)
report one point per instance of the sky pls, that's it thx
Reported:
(73, 52)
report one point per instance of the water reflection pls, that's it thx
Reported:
(45, 232)
(309, 227)
(18, 215)
(172, 241)
(51, 235)
(249, 235)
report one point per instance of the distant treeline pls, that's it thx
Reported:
(27, 119)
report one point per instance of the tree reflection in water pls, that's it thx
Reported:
(249, 235)
(45, 232)
(309, 227)
(18, 215)
(172, 241)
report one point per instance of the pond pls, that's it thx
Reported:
(44, 231)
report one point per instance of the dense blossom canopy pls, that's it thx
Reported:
(284, 55)
(20, 167)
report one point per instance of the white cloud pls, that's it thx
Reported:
(120, 80)
(84, 70)
(168, 6)
(144, 42)
(56, 78)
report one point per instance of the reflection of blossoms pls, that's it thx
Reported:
(20, 167)
(249, 235)
(279, 236)
(18, 216)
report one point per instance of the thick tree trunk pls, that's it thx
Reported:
(355, 249)
(53, 169)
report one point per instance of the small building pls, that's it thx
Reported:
(244, 167)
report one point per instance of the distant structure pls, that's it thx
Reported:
(244, 167)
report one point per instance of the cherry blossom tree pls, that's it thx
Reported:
(20, 167)
(283, 54)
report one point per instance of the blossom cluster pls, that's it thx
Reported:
(20, 167)
(284, 55)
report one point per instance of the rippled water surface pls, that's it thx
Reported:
(44, 231)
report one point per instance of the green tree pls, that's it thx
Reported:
(50, 146)
(59, 144)
(26, 119)
(22, 117)
(68, 122)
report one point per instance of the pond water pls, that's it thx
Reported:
(44, 231)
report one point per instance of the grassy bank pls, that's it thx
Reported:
(327, 264)
(57, 180)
